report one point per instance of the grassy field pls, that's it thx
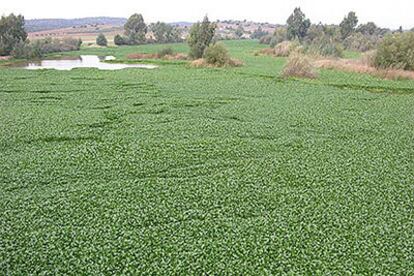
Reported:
(217, 171)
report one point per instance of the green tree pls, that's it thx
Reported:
(101, 40)
(348, 25)
(368, 29)
(297, 25)
(165, 33)
(135, 29)
(201, 36)
(12, 33)
(119, 40)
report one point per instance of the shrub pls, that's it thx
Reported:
(266, 39)
(325, 49)
(361, 42)
(285, 48)
(40, 47)
(217, 55)
(23, 50)
(119, 40)
(396, 51)
(101, 40)
(279, 36)
(165, 52)
(299, 66)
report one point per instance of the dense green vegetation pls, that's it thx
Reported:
(12, 32)
(101, 40)
(210, 171)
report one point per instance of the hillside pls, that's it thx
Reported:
(37, 25)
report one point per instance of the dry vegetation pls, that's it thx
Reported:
(283, 49)
(199, 63)
(363, 65)
(299, 66)
(176, 56)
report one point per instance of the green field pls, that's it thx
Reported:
(183, 171)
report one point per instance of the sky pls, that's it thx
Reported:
(385, 13)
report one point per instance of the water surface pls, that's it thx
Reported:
(85, 61)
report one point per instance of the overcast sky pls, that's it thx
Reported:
(386, 13)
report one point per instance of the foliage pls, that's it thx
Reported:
(325, 47)
(297, 25)
(119, 40)
(165, 33)
(369, 28)
(41, 47)
(396, 51)
(135, 30)
(167, 51)
(12, 33)
(299, 66)
(24, 50)
(101, 40)
(212, 171)
(279, 36)
(217, 55)
(348, 24)
(201, 35)
(266, 39)
(286, 48)
(361, 42)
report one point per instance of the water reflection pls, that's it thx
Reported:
(86, 61)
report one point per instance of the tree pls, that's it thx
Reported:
(119, 40)
(164, 33)
(201, 36)
(368, 29)
(297, 25)
(101, 40)
(135, 29)
(12, 33)
(348, 25)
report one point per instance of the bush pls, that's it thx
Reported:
(119, 40)
(325, 49)
(279, 36)
(101, 40)
(285, 48)
(299, 66)
(40, 47)
(266, 39)
(216, 55)
(23, 50)
(396, 51)
(361, 42)
(165, 52)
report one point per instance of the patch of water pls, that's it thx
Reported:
(85, 61)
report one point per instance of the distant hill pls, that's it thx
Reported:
(181, 24)
(37, 25)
